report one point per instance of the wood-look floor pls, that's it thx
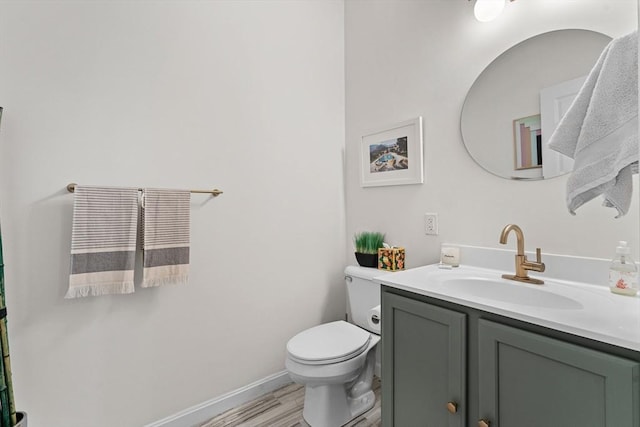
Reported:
(283, 408)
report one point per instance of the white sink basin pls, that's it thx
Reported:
(582, 309)
(511, 292)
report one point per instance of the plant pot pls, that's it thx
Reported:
(21, 419)
(367, 260)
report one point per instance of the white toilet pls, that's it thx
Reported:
(336, 361)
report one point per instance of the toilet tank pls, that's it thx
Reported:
(362, 292)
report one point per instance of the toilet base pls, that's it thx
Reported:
(330, 405)
(334, 405)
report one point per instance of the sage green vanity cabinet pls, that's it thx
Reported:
(424, 364)
(529, 380)
(497, 370)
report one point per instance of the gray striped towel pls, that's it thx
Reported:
(166, 218)
(103, 241)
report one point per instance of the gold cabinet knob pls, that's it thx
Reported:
(483, 423)
(452, 407)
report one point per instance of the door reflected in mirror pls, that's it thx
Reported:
(517, 101)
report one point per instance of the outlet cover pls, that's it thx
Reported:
(431, 224)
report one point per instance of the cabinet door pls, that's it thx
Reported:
(528, 380)
(424, 365)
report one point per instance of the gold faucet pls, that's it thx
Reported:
(522, 264)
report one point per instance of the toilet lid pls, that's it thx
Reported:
(328, 343)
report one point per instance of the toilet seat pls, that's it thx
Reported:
(328, 343)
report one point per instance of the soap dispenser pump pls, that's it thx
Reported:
(623, 272)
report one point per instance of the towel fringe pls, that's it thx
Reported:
(169, 280)
(101, 289)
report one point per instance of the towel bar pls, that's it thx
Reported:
(215, 192)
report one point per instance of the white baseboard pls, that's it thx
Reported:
(200, 413)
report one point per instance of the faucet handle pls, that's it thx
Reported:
(538, 255)
(538, 265)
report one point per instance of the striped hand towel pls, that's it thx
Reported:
(166, 219)
(103, 241)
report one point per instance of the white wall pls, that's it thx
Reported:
(419, 58)
(245, 96)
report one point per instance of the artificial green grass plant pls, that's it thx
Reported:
(368, 242)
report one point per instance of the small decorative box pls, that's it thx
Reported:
(391, 259)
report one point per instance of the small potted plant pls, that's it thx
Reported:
(367, 244)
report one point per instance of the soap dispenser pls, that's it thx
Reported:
(623, 272)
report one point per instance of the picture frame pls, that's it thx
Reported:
(392, 155)
(527, 142)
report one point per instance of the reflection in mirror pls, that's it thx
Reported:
(516, 102)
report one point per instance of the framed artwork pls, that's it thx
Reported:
(392, 155)
(527, 141)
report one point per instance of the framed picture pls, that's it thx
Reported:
(392, 155)
(527, 141)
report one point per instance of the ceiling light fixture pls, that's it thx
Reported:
(488, 10)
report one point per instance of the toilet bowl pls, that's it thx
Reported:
(335, 362)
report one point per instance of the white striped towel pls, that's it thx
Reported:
(103, 241)
(166, 218)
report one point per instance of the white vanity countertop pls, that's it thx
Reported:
(580, 309)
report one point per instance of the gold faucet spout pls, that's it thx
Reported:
(522, 263)
(519, 237)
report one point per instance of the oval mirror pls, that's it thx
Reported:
(515, 104)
